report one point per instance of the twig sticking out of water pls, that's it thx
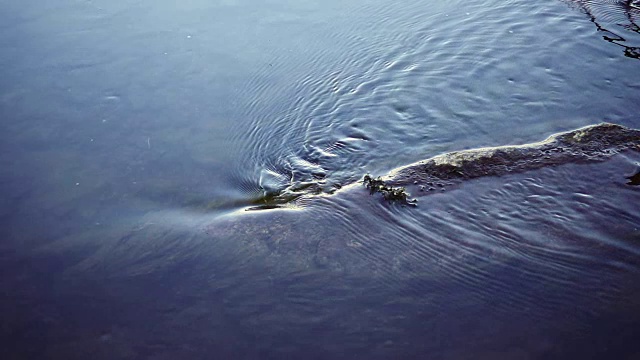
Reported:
(389, 193)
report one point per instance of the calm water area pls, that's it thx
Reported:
(136, 137)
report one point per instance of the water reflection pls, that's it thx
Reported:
(615, 14)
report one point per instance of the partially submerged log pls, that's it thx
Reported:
(588, 144)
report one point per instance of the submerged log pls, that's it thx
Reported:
(587, 144)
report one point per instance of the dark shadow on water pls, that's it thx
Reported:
(634, 180)
(629, 10)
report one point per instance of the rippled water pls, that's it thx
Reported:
(135, 135)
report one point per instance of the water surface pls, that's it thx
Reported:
(136, 134)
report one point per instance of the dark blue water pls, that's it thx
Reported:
(135, 135)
